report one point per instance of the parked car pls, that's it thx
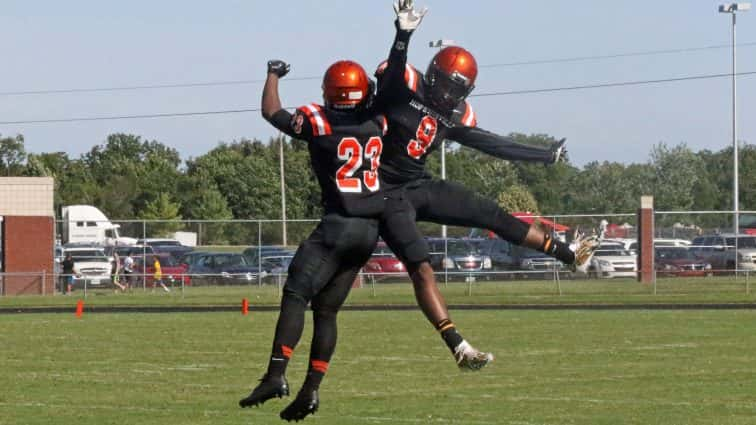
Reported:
(174, 273)
(383, 263)
(277, 264)
(519, 261)
(632, 244)
(720, 251)
(222, 268)
(462, 257)
(124, 251)
(613, 260)
(191, 258)
(91, 265)
(256, 254)
(662, 242)
(168, 246)
(680, 261)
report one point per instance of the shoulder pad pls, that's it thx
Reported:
(318, 120)
(468, 118)
(411, 76)
(382, 67)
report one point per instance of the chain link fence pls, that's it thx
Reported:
(694, 252)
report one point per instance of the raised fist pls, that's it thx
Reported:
(278, 67)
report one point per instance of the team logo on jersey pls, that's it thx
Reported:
(415, 104)
(296, 123)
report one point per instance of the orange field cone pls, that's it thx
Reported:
(245, 306)
(79, 308)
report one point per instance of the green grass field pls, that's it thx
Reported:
(554, 367)
(720, 289)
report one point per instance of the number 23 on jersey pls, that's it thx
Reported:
(350, 150)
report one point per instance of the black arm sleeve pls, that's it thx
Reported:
(293, 125)
(391, 81)
(499, 146)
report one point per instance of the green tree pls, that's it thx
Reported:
(676, 172)
(247, 174)
(477, 171)
(12, 155)
(207, 203)
(517, 198)
(130, 172)
(161, 208)
(609, 187)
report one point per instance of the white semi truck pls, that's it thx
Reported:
(86, 224)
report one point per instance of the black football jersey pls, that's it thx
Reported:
(416, 129)
(345, 152)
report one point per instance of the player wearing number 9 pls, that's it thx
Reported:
(425, 109)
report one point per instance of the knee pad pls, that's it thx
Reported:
(413, 252)
(296, 293)
(324, 311)
(399, 229)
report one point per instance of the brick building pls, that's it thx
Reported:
(27, 234)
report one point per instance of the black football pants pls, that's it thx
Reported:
(326, 264)
(444, 202)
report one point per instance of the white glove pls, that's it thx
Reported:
(407, 18)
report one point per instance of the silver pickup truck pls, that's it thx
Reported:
(721, 252)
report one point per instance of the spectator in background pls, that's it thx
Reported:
(158, 274)
(117, 272)
(128, 270)
(68, 275)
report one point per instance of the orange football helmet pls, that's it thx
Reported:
(345, 85)
(451, 76)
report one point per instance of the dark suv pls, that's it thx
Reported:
(222, 268)
(460, 257)
(519, 261)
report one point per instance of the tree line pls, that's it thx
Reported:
(129, 177)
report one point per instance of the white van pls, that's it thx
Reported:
(87, 224)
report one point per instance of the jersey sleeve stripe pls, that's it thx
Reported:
(469, 118)
(323, 117)
(320, 125)
(410, 75)
(308, 113)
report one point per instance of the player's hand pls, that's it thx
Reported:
(559, 152)
(407, 18)
(278, 67)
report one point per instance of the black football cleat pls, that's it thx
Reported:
(269, 387)
(306, 403)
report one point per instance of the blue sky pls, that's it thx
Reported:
(83, 44)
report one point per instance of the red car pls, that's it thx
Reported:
(383, 263)
(680, 261)
(173, 271)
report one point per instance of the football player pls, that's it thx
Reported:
(425, 109)
(345, 148)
